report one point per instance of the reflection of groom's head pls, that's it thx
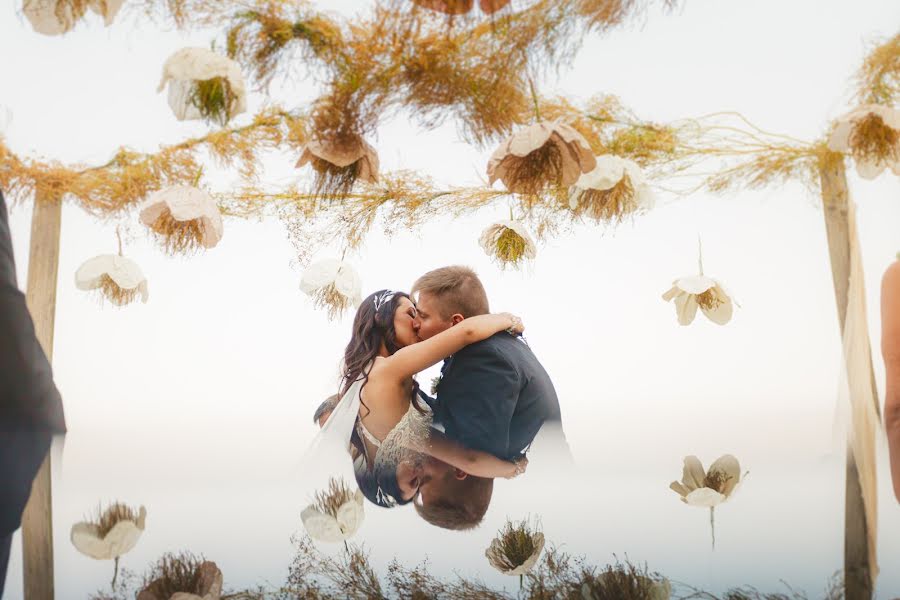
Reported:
(446, 296)
(448, 497)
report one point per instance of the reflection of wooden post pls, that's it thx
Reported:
(858, 584)
(37, 520)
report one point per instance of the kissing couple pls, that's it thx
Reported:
(492, 398)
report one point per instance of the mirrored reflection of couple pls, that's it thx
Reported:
(441, 453)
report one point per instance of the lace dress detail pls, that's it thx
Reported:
(412, 430)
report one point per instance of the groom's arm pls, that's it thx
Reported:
(478, 396)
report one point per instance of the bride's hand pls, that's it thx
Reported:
(516, 326)
(520, 464)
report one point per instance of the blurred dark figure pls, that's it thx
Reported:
(890, 349)
(30, 406)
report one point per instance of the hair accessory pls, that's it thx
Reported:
(383, 298)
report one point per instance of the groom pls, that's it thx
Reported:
(492, 396)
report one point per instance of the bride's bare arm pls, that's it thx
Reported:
(473, 462)
(408, 361)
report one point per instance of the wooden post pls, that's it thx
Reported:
(40, 296)
(858, 584)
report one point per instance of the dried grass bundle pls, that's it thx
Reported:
(624, 582)
(605, 206)
(879, 75)
(516, 548)
(214, 99)
(262, 38)
(110, 290)
(603, 15)
(872, 140)
(171, 574)
(114, 513)
(177, 237)
(509, 243)
(330, 501)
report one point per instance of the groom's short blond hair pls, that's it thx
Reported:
(457, 289)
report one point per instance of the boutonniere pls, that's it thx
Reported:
(435, 383)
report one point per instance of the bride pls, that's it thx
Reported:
(381, 411)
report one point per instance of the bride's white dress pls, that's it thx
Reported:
(410, 432)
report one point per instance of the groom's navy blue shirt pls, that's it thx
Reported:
(494, 396)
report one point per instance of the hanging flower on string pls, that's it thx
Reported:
(56, 17)
(118, 279)
(336, 513)
(183, 577)
(204, 86)
(516, 548)
(333, 284)
(339, 164)
(700, 291)
(539, 157)
(509, 243)
(184, 218)
(871, 135)
(461, 7)
(110, 534)
(615, 188)
(708, 489)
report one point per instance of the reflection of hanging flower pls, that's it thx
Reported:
(708, 489)
(184, 217)
(871, 135)
(461, 7)
(508, 242)
(332, 284)
(516, 548)
(700, 291)
(626, 581)
(118, 279)
(56, 17)
(336, 514)
(204, 85)
(613, 189)
(338, 165)
(183, 577)
(546, 154)
(111, 534)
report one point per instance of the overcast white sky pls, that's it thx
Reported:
(226, 362)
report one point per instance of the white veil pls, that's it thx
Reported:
(328, 454)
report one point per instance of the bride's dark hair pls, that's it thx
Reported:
(372, 326)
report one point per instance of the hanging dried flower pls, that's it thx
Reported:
(700, 291)
(112, 532)
(118, 279)
(508, 242)
(548, 154)
(183, 577)
(338, 165)
(614, 189)
(461, 7)
(871, 135)
(708, 489)
(204, 85)
(56, 17)
(335, 515)
(516, 548)
(333, 284)
(703, 292)
(184, 218)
